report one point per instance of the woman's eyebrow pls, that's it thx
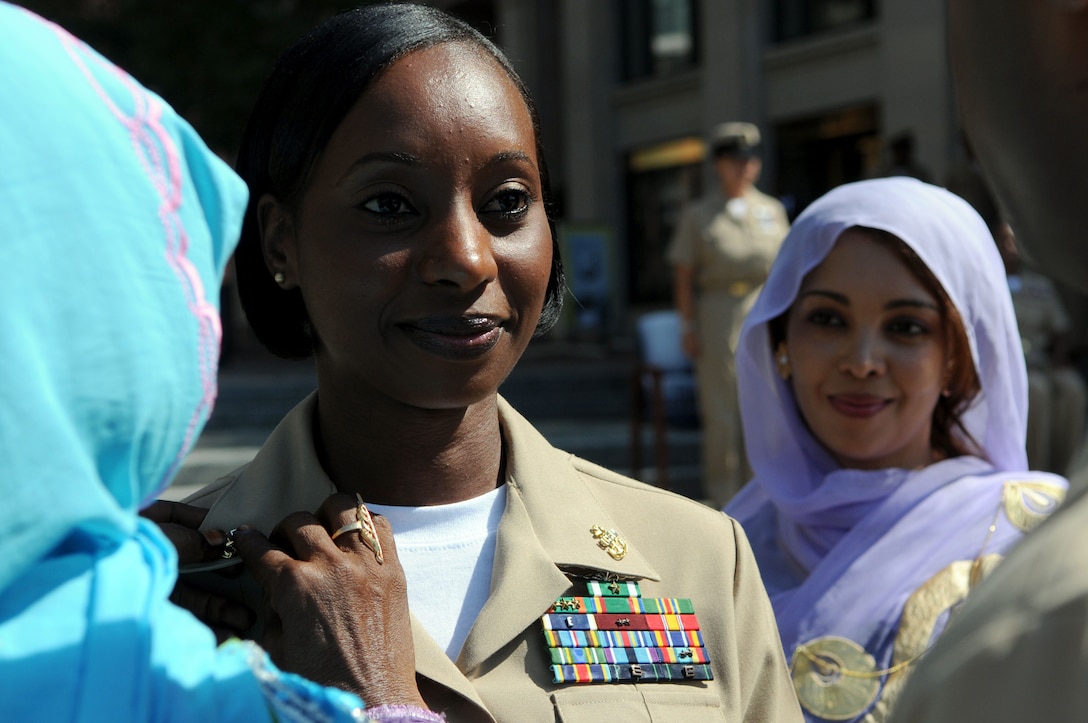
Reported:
(833, 295)
(912, 304)
(519, 156)
(396, 157)
(893, 304)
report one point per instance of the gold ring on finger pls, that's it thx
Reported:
(366, 529)
(348, 528)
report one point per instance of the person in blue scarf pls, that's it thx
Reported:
(117, 223)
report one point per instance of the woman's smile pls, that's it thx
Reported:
(858, 406)
(454, 337)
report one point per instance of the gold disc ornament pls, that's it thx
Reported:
(834, 677)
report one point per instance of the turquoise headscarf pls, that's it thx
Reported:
(116, 223)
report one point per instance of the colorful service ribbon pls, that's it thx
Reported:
(615, 635)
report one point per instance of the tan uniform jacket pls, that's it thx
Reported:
(729, 251)
(677, 547)
(729, 246)
(1016, 652)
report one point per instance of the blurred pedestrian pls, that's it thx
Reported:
(721, 252)
(903, 161)
(1057, 394)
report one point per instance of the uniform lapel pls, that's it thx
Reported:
(544, 530)
(433, 663)
(285, 475)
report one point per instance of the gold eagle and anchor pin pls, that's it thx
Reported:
(609, 541)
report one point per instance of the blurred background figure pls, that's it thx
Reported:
(965, 179)
(721, 251)
(902, 161)
(1056, 390)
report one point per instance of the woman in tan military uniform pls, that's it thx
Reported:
(398, 232)
(721, 252)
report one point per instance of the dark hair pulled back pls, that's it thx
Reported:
(312, 86)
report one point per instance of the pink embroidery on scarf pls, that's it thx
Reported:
(148, 135)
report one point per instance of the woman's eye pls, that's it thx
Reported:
(508, 203)
(387, 204)
(822, 317)
(908, 327)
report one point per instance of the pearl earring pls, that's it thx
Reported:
(782, 361)
(279, 277)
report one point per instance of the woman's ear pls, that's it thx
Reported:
(279, 244)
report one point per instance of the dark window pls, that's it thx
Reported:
(660, 179)
(816, 154)
(658, 37)
(798, 18)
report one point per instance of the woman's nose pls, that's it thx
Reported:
(863, 356)
(458, 252)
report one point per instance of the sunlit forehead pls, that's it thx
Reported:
(447, 111)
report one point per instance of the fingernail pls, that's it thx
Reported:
(215, 538)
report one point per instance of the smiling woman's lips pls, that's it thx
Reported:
(457, 338)
(857, 405)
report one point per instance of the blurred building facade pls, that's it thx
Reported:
(628, 90)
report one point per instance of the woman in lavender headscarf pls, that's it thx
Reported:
(882, 389)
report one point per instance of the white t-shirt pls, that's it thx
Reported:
(447, 552)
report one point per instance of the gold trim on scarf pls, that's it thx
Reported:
(837, 679)
(1029, 503)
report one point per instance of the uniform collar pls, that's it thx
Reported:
(284, 477)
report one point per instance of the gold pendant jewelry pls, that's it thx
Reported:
(834, 677)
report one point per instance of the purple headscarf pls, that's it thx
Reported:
(841, 550)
